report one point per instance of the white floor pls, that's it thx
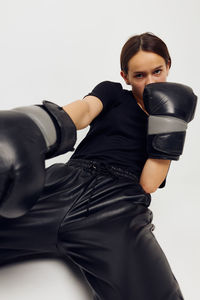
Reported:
(43, 279)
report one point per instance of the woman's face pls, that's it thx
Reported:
(144, 68)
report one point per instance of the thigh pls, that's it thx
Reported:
(36, 232)
(116, 249)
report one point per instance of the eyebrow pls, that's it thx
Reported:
(138, 72)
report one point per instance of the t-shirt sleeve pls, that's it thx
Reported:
(108, 93)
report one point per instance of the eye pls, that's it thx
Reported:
(157, 72)
(138, 76)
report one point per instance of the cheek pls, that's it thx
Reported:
(162, 78)
(139, 86)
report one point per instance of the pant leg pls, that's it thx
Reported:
(36, 232)
(114, 246)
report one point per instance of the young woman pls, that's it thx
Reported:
(94, 209)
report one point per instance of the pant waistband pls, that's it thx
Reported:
(102, 167)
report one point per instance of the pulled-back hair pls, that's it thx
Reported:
(147, 42)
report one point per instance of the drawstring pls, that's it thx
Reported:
(97, 168)
(101, 169)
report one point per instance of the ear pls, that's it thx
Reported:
(167, 71)
(125, 77)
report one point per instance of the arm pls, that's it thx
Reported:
(82, 112)
(29, 136)
(153, 174)
(102, 98)
(45, 132)
(170, 106)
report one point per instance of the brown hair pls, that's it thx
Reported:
(147, 42)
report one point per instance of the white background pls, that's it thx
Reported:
(59, 50)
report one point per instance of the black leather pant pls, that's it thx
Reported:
(97, 217)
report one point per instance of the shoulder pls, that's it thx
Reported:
(108, 92)
(108, 85)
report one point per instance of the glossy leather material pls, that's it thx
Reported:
(170, 106)
(166, 146)
(28, 136)
(170, 99)
(22, 168)
(98, 217)
(65, 127)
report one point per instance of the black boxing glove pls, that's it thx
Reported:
(171, 106)
(28, 136)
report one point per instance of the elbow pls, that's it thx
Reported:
(149, 189)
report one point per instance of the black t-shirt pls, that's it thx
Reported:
(117, 136)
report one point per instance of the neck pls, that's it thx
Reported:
(141, 104)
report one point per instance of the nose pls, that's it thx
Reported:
(149, 79)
